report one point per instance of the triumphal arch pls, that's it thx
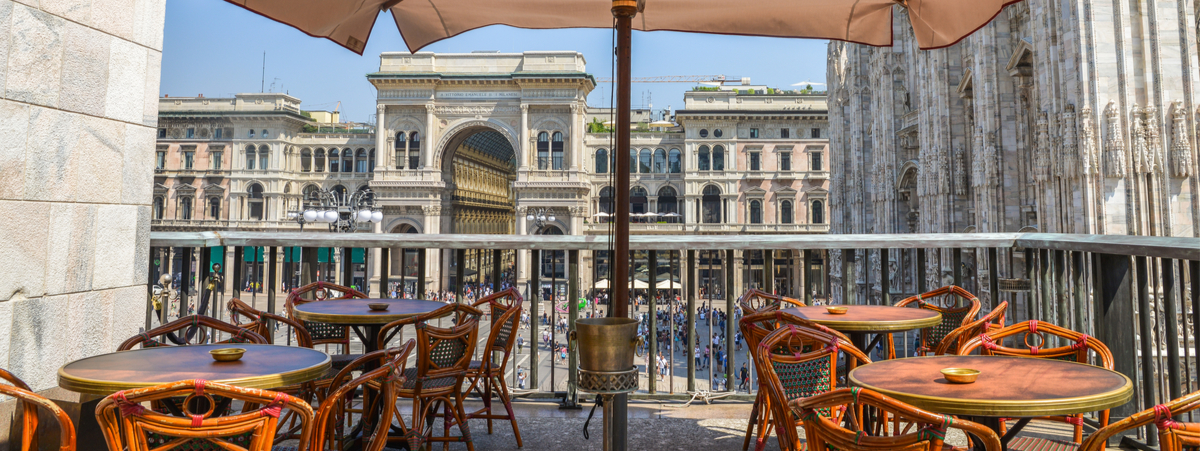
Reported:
(477, 141)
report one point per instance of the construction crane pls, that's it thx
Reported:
(677, 79)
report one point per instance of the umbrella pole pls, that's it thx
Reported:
(616, 431)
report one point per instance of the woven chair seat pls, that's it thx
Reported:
(1041, 444)
(410, 381)
(339, 361)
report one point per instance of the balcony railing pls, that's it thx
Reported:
(604, 227)
(1139, 295)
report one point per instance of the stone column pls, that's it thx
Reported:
(427, 143)
(576, 137)
(523, 152)
(381, 153)
(376, 265)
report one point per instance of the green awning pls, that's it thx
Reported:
(216, 255)
(358, 255)
(253, 254)
(292, 254)
(323, 254)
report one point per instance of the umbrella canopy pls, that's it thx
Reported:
(602, 215)
(639, 285)
(936, 23)
(668, 285)
(602, 284)
(662, 124)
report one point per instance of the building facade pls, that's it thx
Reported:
(1076, 117)
(476, 143)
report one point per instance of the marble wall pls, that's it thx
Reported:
(78, 109)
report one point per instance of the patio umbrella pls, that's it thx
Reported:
(662, 124)
(602, 284)
(937, 23)
(639, 285)
(668, 285)
(602, 215)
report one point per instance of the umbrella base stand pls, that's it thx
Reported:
(612, 388)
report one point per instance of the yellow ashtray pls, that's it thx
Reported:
(836, 310)
(960, 375)
(227, 354)
(378, 305)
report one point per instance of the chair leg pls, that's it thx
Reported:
(753, 419)
(504, 398)
(487, 401)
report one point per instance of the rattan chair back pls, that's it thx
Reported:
(758, 301)
(337, 403)
(462, 313)
(188, 325)
(1172, 435)
(948, 301)
(322, 333)
(927, 429)
(128, 426)
(790, 368)
(994, 320)
(28, 403)
(259, 322)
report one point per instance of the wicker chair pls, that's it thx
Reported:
(1172, 435)
(324, 333)
(486, 376)
(953, 316)
(754, 328)
(994, 320)
(989, 343)
(129, 426)
(335, 409)
(928, 430)
(789, 368)
(194, 322)
(443, 357)
(28, 403)
(758, 301)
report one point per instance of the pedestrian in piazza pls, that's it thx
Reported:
(744, 377)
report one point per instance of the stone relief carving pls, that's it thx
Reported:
(1181, 149)
(1090, 162)
(1041, 158)
(1068, 162)
(474, 110)
(835, 276)
(1141, 163)
(1154, 151)
(1114, 143)
(960, 172)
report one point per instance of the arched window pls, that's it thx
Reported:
(251, 156)
(755, 212)
(399, 144)
(660, 161)
(703, 163)
(264, 133)
(306, 160)
(371, 161)
(710, 205)
(785, 212)
(644, 162)
(319, 160)
(159, 207)
(335, 160)
(360, 161)
(668, 203)
(632, 161)
(414, 150)
(264, 155)
(543, 151)
(339, 193)
(718, 158)
(675, 161)
(606, 200)
(556, 151)
(214, 207)
(601, 161)
(185, 208)
(311, 194)
(347, 160)
(704, 133)
(255, 201)
(638, 200)
(818, 212)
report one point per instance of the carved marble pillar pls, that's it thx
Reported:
(523, 152)
(381, 138)
(427, 143)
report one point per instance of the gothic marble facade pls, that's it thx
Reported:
(1059, 117)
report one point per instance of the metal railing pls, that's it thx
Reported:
(1139, 295)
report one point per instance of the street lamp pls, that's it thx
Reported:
(341, 213)
(540, 217)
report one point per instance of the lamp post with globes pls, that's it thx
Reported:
(340, 212)
(540, 217)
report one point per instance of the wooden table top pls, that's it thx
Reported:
(1006, 387)
(870, 318)
(354, 312)
(263, 366)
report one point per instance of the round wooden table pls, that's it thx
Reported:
(364, 321)
(263, 366)
(1008, 387)
(860, 320)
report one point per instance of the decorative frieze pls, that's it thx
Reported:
(1114, 143)
(1181, 149)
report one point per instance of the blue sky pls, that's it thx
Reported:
(216, 49)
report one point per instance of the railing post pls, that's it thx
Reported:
(994, 276)
(885, 283)
(185, 273)
(806, 285)
(152, 280)
(849, 278)
(921, 283)
(460, 263)
(1170, 291)
(730, 318)
(419, 291)
(1078, 269)
(652, 324)
(572, 399)
(1146, 339)
(535, 302)
(957, 259)
(272, 283)
(496, 270)
(1113, 287)
(385, 272)
(692, 333)
(768, 278)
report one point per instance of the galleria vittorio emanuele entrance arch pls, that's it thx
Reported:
(478, 167)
